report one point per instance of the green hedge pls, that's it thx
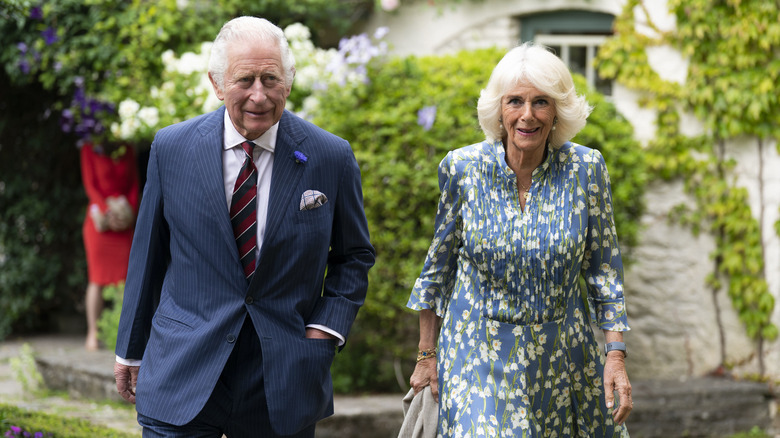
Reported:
(42, 205)
(399, 159)
(52, 425)
(113, 49)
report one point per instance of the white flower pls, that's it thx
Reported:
(168, 59)
(297, 32)
(128, 108)
(149, 116)
(190, 63)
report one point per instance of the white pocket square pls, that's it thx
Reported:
(311, 199)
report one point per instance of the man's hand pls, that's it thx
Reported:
(616, 379)
(126, 378)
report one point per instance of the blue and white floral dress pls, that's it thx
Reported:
(516, 352)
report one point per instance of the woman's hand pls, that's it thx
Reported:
(616, 379)
(425, 374)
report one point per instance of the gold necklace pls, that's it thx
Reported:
(527, 194)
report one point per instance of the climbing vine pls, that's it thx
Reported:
(732, 49)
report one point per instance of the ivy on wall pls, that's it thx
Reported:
(732, 48)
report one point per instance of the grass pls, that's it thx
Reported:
(53, 425)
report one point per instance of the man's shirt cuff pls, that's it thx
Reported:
(128, 362)
(328, 331)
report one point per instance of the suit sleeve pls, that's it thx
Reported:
(351, 256)
(149, 258)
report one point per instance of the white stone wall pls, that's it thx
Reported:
(676, 319)
(416, 28)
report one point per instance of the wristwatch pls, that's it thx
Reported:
(612, 346)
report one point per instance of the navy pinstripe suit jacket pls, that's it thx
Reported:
(186, 296)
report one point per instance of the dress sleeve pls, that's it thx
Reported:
(433, 288)
(89, 177)
(602, 265)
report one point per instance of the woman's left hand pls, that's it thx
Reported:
(616, 379)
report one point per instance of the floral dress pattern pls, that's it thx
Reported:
(516, 353)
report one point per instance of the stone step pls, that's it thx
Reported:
(89, 375)
(697, 407)
(701, 407)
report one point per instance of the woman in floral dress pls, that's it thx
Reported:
(522, 216)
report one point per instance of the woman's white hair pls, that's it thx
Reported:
(535, 65)
(249, 30)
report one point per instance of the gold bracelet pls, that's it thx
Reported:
(425, 354)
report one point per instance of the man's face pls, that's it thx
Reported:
(254, 91)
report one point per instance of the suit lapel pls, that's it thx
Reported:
(207, 155)
(286, 174)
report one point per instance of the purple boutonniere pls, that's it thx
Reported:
(300, 157)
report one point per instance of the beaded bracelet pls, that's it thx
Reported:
(425, 354)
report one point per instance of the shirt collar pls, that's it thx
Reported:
(232, 138)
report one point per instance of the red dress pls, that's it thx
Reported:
(108, 252)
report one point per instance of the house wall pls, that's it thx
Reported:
(675, 318)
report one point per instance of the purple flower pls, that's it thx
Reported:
(381, 32)
(36, 13)
(300, 157)
(50, 35)
(426, 116)
(24, 66)
(22, 47)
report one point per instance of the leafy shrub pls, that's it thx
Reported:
(108, 324)
(58, 62)
(41, 208)
(26, 372)
(13, 418)
(398, 152)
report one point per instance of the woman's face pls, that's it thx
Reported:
(527, 115)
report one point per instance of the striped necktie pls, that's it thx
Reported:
(243, 211)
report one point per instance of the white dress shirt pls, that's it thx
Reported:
(232, 160)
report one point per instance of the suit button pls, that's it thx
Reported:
(231, 338)
(249, 300)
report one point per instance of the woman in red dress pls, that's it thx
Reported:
(110, 178)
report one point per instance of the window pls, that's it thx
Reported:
(575, 36)
(579, 52)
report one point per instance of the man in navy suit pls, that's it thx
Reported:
(212, 342)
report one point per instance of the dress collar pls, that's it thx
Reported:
(500, 154)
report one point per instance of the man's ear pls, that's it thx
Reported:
(288, 89)
(217, 89)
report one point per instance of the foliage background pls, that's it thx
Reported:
(83, 57)
(732, 47)
(86, 57)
